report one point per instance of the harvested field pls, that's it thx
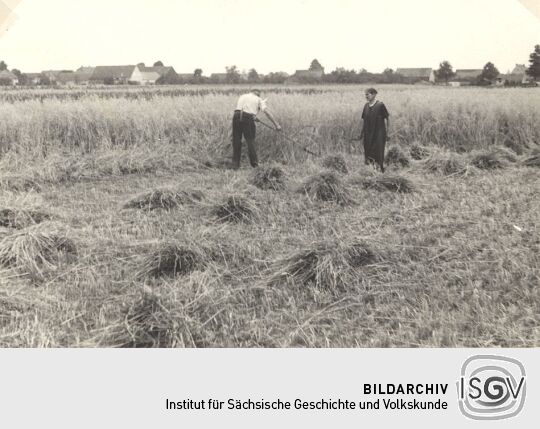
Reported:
(153, 242)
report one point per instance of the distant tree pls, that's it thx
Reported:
(3, 66)
(275, 77)
(445, 72)
(534, 64)
(315, 65)
(158, 64)
(197, 73)
(233, 75)
(22, 78)
(253, 76)
(141, 65)
(489, 73)
(341, 75)
(45, 80)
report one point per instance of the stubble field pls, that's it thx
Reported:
(121, 224)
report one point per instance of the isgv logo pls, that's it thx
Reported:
(491, 387)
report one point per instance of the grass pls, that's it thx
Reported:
(339, 264)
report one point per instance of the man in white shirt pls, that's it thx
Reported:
(243, 124)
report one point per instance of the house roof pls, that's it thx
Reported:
(513, 77)
(112, 72)
(83, 69)
(415, 72)
(160, 70)
(468, 73)
(65, 77)
(519, 69)
(53, 74)
(150, 75)
(83, 76)
(6, 74)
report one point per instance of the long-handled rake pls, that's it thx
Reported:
(290, 140)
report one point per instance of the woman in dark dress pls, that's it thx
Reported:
(375, 129)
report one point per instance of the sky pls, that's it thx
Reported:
(270, 35)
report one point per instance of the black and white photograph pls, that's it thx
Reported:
(282, 174)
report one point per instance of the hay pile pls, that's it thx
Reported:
(395, 156)
(170, 259)
(445, 164)
(487, 161)
(164, 199)
(271, 177)
(326, 186)
(19, 184)
(418, 152)
(388, 183)
(235, 209)
(327, 265)
(18, 218)
(533, 161)
(151, 322)
(505, 154)
(36, 250)
(336, 163)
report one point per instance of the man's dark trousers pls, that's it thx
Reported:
(243, 124)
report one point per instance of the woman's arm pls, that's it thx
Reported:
(387, 120)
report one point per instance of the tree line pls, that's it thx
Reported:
(444, 74)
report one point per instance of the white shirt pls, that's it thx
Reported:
(251, 103)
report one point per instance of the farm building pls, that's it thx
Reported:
(517, 76)
(415, 75)
(166, 75)
(33, 78)
(467, 76)
(8, 78)
(65, 78)
(83, 74)
(306, 76)
(112, 74)
(53, 75)
(142, 76)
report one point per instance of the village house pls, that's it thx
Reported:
(467, 76)
(165, 75)
(8, 78)
(83, 74)
(139, 74)
(52, 76)
(33, 78)
(143, 77)
(417, 75)
(112, 75)
(306, 76)
(517, 76)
